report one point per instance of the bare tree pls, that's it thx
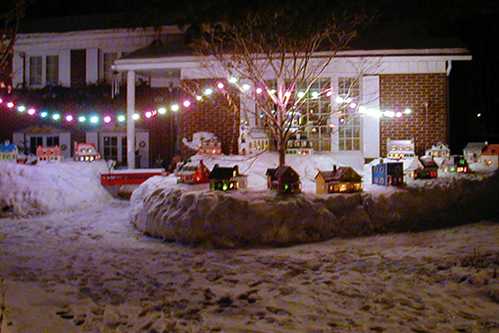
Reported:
(281, 56)
(11, 15)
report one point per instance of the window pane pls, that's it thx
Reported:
(35, 71)
(349, 128)
(52, 70)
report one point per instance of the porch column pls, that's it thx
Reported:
(130, 122)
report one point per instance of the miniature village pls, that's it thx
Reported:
(401, 165)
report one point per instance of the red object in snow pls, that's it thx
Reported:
(130, 176)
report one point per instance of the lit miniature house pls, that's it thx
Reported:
(400, 149)
(49, 154)
(193, 173)
(455, 163)
(473, 151)
(283, 179)
(438, 150)
(86, 152)
(388, 174)
(299, 145)
(227, 178)
(338, 180)
(490, 155)
(253, 140)
(210, 147)
(403, 151)
(428, 170)
(8, 151)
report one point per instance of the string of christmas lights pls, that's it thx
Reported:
(185, 104)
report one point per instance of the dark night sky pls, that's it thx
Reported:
(474, 86)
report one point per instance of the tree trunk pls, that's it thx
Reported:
(281, 149)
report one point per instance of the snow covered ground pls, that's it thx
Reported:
(81, 266)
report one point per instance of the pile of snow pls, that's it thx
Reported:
(50, 187)
(255, 216)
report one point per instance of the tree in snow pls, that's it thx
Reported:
(276, 58)
(11, 14)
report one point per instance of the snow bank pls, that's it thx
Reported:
(50, 187)
(193, 214)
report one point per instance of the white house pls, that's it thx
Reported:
(157, 58)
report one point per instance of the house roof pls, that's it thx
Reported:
(282, 171)
(75, 23)
(158, 49)
(7, 148)
(412, 36)
(491, 150)
(224, 172)
(475, 145)
(339, 174)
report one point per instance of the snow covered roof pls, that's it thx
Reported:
(7, 147)
(475, 146)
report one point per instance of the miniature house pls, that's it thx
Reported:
(403, 151)
(490, 155)
(283, 179)
(400, 149)
(428, 170)
(8, 151)
(49, 154)
(193, 173)
(388, 174)
(86, 152)
(253, 141)
(299, 145)
(211, 147)
(227, 178)
(438, 150)
(455, 163)
(338, 180)
(473, 151)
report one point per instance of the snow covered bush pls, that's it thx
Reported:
(49, 187)
(195, 215)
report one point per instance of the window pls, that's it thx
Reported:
(315, 116)
(52, 74)
(348, 121)
(110, 148)
(108, 61)
(35, 71)
(312, 116)
(34, 142)
(52, 141)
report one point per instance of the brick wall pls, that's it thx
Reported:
(426, 95)
(212, 116)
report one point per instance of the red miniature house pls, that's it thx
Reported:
(49, 154)
(211, 147)
(86, 152)
(283, 179)
(191, 173)
(490, 155)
